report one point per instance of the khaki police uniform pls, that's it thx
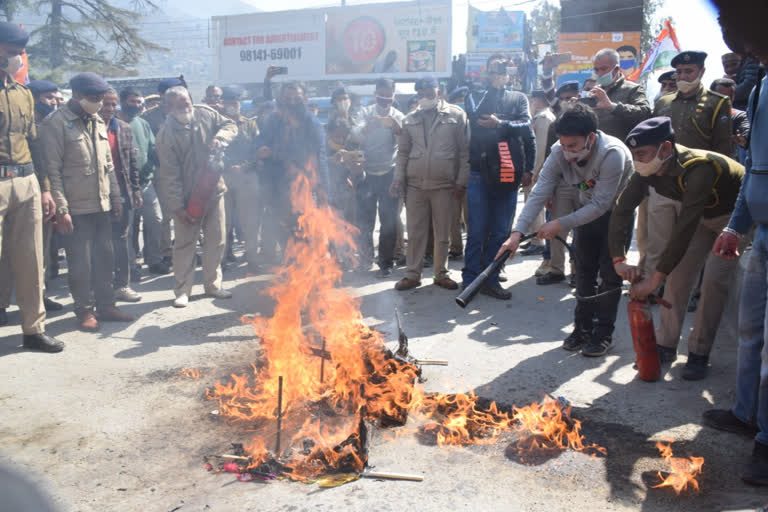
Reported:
(432, 158)
(706, 185)
(183, 153)
(21, 215)
(242, 199)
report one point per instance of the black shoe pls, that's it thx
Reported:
(525, 245)
(453, 256)
(725, 420)
(3, 317)
(550, 278)
(693, 304)
(577, 339)
(597, 346)
(384, 272)
(496, 291)
(168, 261)
(136, 273)
(756, 471)
(42, 343)
(503, 278)
(572, 280)
(533, 250)
(696, 367)
(159, 269)
(51, 305)
(666, 354)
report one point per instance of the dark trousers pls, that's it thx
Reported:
(489, 213)
(372, 194)
(89, 258)
(592, 257)
(121, 236)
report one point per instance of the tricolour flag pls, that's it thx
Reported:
(661, 53)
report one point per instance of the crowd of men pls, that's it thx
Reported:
(92, 173)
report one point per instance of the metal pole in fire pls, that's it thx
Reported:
(279, 413)
(322, 362)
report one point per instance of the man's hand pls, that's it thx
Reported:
(490, 121)
(272, 72)
(459, 191)
(117, 209)
(138, 199)
(603, 101)
(631, 273)
(527, 179)
(396, 189)
(510, 245)
(550, 230)
(64, 224)
(640, 291)
(184, 216)
(264, 152)
(49, 206)
(740, 139)
(726, 246)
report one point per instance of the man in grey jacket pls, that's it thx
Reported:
(599, 166)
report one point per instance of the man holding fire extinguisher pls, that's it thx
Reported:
(706, 183)
(189, 187)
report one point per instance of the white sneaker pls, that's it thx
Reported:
(181, 301)
(219, 294)
(127, 295)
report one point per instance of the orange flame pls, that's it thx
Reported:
(190, 373)
(683, 472)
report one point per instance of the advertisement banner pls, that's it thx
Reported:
(248, 44)
(495, 30)
(399, 40)
(584, 45)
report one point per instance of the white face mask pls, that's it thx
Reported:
(427, 103)
(184, 117)
(688, 87)
(90, 107)
(578, 156)
(14, 64)
(605, 80)
(652, 167)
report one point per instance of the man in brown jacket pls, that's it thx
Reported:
(184, 144)
(432, 166)
(77, 158)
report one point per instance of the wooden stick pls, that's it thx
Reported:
(434, 362)
(279, 414)
(235, 457)
(392, 476)
(322, 363)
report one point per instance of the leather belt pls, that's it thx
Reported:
(16, 171)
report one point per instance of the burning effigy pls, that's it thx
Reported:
(325, 379)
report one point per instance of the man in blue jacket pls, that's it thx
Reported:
(742, 22)
(502, 152)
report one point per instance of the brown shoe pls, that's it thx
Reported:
(87, 321)
(406, 284)
(112, 314)
(447, 283)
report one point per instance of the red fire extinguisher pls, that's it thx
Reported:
(644, 340)
(205, 185)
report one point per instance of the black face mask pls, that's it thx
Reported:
(131, 110)
(44, 109)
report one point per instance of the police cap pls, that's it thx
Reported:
(668, 75)
(650, 132)
(167, 83)
(689, 57)
(11, 33)
(41, 86)
(231, 93)
(89, 84)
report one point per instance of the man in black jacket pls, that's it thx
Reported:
(502, 152)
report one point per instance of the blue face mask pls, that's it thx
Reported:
(627, 64)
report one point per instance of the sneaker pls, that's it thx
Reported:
(756, 471)
(544, 268)
(496, 291)
(159, 269)
(533, 250)
(597, 346)
(219, 293)
(696, 368)
(51, 305)
(666, 354)
(127, 295)
(113, 314)
(725, 420)
(406, 284)
(577, 339)
(384, 272)
(42, 343)
(550, 278)
(447, 283)
(181, 301)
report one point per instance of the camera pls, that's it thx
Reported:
(590, 101)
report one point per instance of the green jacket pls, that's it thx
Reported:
(144, 142)
(706, 183)
(632, 107)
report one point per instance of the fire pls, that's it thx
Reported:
(336, 373)
(683, 471)
(190, 373)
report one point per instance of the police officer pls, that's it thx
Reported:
(668, 81)
(706, 185)
(22, 205)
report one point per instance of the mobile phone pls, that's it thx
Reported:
(590, 101)
(280, 70)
